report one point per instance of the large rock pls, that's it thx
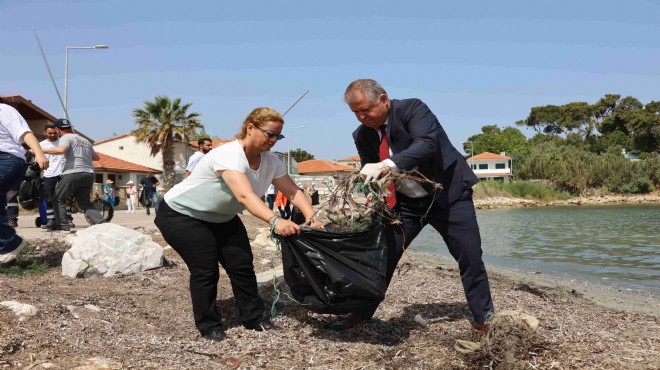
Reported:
(109, 249)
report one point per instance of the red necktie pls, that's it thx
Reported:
(384, 152)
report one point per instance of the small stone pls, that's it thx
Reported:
(421, 321)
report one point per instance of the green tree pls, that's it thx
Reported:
(161, 122)
(561, 119)
(300, 155)
(494, 140)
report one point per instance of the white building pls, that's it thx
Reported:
(127, 148)
(490, 166)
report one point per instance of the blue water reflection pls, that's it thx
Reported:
(613, 245)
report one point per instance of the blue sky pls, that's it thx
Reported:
(474, 63)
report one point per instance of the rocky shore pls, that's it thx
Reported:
(506, 202)
(143, 321)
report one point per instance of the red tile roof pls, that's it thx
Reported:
(350, 159)
(488, 155)
(321, 165)
(26, 108)
(30, 111)
(111, 138)
(112, 164)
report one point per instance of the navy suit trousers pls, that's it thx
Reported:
(458, 226)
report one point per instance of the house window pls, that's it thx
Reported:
(500, 166)
(483, 166)
(474, 166)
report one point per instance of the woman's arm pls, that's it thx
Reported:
(242, 189)
(33, 143)
(296, 196)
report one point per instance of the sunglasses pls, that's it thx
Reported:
(271, 134)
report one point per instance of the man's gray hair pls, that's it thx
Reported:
(369, 88)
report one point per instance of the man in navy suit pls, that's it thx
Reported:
(417, 141)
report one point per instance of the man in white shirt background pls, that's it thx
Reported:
(205, 146)
(52, 174)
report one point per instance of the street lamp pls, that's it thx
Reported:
(288, 152)
(66, 72)
(471, 150)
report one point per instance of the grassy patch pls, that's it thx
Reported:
(517, 189)
(37, 257)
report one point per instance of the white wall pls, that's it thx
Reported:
(491, 166)
(128, 149)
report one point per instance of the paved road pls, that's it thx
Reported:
(26, 227)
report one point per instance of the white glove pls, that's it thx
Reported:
(372, 171)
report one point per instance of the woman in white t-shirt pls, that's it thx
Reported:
(199, 219)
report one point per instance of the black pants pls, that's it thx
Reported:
(80, 185)
(202, 245)
(49, 189)
(458, 227)
(271, 200)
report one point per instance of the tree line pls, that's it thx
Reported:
(580, 147)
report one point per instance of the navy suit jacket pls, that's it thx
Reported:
(418, 141)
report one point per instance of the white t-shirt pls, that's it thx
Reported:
(205, 195)
(55, 161)
(192, 162)
(12, 129)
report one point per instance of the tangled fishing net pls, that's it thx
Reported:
(343, 212)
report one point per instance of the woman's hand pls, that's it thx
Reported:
(313, 222)
(286, 227)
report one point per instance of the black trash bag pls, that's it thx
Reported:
(30, 193)
(333, 272)
(144, 199)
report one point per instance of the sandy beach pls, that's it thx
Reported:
(144, 321)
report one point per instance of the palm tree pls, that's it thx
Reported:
(162, 122)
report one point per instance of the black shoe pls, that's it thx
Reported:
(216, 335)
(262, 325)
(347, 322)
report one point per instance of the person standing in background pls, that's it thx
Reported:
(52, 175)
(131, 197)
(14, 131)
(109, 193)
(150, 192)
(205, 146)
(77, 176)
(270, 196)
(282, 205)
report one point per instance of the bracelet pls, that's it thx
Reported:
(275, 218)
(271, 218)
